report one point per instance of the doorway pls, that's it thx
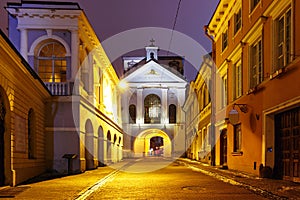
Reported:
(156, 146)
(287, 145)
(223, 147)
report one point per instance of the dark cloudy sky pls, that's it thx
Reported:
(111, 17)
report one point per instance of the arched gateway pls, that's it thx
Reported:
(153, 142)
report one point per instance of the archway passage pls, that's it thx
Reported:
(154, 139)
(156, 146)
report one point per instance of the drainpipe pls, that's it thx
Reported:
(213, 98)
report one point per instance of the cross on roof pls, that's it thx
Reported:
(152, 42)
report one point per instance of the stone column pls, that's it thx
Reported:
(139, 107)
(74, 53)
(164, 106)
(24, 43)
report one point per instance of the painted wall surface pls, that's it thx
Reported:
(276, 93)
(21, 92)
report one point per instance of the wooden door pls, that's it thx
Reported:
(223, 147)
(288, 145)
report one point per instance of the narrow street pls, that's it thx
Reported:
(171, 182)
(154, 178)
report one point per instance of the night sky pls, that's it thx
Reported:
(112, 17)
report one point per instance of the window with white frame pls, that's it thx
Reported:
(256, 64)
(224, 91)
(253, 4)
(237, 79)
(237, 21)
(283, 40)
(224, 40)
(51, 62)
(237, 140)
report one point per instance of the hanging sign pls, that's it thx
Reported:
(233, 116)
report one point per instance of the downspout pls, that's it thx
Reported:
(213, 98)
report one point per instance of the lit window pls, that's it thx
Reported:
(237, 80)
(237, 145)
(51, 62)
(224, 40)
(152, 106)
(237, 21)
(283, 40)
(256, 65)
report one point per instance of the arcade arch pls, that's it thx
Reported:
(142, 143)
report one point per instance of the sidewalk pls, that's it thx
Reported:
(67, 187)
(269, 188)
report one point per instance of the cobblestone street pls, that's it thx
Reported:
(153, 178)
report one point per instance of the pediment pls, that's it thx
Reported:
(153, 72)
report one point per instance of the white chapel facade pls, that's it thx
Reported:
(154, 92)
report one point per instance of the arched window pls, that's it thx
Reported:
(152, 109)
(172, 114)
(132, 114)
(31, 135)
(51, 63)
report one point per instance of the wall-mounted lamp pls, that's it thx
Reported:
(242, 107)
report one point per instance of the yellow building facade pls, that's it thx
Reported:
(23, 115)
(256, 48)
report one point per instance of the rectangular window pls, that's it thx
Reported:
(237, 145)
(224, 40)
(224, 91)
(237, 79)
(283, 40)
(254, 4)
(237, 21)
(256, 65)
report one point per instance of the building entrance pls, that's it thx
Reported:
(223, 147)
(156, 146)
(287, 141)
(152, 142)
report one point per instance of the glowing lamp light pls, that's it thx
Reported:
(123, 85)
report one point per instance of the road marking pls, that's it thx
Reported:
(85, 193)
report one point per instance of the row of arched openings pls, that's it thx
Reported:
(90, 149)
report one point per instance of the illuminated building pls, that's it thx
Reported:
(152, 105)
(22, 117)
(198, 115)
(256, 48)
(82, 115)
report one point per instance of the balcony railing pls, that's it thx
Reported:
(59, 89)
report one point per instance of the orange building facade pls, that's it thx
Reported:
(257, 88)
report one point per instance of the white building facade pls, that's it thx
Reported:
(152, 100)
(83, 119)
